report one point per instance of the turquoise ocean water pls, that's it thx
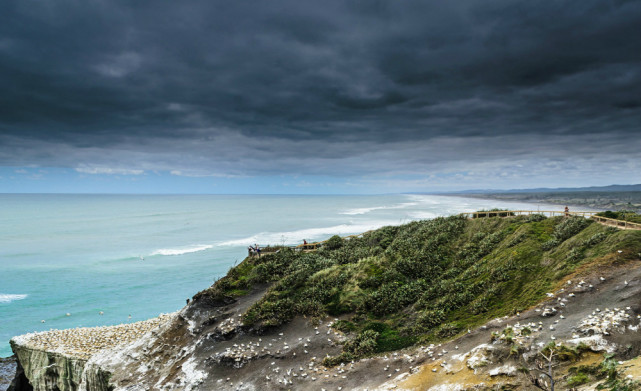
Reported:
(142, 255)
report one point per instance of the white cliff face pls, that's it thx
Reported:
(156, 361)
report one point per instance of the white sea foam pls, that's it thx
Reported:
(309, 234)
(8, 298)
(182, 250)
(424, 215)
(362, 211)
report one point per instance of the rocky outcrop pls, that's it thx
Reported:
(7, 371)
(60, 360)
(46, 371)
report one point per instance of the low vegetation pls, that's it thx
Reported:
(625, 215)
(424, 281)
(608, 373)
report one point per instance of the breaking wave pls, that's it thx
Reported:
(362, 211)
(183, 250)
(8, 298)
(310, 234)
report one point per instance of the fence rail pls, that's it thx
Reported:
(509, 213)
(621, 224)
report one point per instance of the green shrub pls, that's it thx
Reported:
(535, 218)
(430, 319)
(447, 330)
(333, 243)
(550, 244)
(595, 239)
(578, 380)
(363, 344)
(626, 215)
(608, 214)
(569, 227)
(344, 326)
(575, 255)
(391, 297)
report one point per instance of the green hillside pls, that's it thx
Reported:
(424, 281)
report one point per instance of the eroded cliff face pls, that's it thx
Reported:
(41, 370)
(57, 360)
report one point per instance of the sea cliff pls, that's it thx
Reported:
(43, 370)
(440, 304)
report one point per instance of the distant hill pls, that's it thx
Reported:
(610, 188)
(614, 197)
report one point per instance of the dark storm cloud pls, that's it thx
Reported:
(355, 87)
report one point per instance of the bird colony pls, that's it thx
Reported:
(83, 342)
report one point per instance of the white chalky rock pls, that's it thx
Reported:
(504, 370)
(480, 356)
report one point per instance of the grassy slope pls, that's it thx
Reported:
(427, 280)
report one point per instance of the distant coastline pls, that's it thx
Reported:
(593, 200)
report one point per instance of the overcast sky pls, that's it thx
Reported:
(298, 96)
